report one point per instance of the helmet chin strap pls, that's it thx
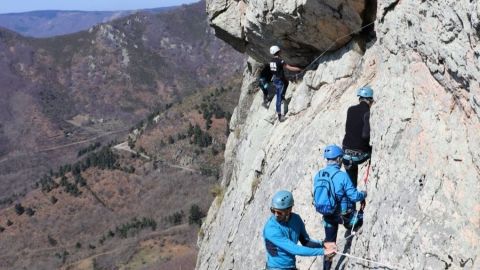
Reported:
(284, 218)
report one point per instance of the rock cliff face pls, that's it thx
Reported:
(423, 209)
(302, 27)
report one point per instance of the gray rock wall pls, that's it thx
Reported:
(423, 208)
(301, 27)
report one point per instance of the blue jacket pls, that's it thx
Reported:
(345, 192)
(281, 240)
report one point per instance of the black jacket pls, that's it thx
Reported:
(276, 66)
(357, 128)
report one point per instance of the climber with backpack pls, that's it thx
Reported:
(282, 232)
(264, 82)
(356, 142)
(277, 66)
(334, 196)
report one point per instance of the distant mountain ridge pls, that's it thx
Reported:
(48, 23)
(65, 89)
(77, 193)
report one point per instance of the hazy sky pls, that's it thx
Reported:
(11, 6)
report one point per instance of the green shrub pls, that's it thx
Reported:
(196, 215)
(79, 180)
(53, 200)
(52, 241)
(89, 148)
(209, 171)
(19, 209)
(134, 226)
(200, 137)
(176, 218)
(47, 184)
(62, 256)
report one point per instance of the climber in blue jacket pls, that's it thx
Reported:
(282, 232)
(344, 194)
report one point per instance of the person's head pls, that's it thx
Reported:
(333, 154)
(281, 206)
(365, 94)
(274, 50)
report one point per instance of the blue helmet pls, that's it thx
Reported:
(332, 151)
(365, 92)
(282, 200)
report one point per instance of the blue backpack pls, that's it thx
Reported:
(324, 198)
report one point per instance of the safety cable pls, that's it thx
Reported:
(355, 222)
(352, 233)
(367, 260)
(365, 179)
(331, 46)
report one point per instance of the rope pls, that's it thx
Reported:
(353, 226)
(339, 241)
(365, 179)
(331, 46)
(367, 260)
(352, 234)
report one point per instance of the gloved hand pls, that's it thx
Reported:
(330, 248)
(363, 204)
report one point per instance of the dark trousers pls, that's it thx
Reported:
(285, 86)
(331, 224)
(330, 236)
(279, 92)
(352, 171)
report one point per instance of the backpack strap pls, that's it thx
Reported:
(334, 194)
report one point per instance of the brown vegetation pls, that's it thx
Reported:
(85, 205)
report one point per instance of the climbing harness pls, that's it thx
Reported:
(352, 157)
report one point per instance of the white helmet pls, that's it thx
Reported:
(274, 49)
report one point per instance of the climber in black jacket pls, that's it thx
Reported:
(264, 82)
(356, 143)
(277, 66)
